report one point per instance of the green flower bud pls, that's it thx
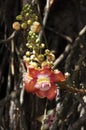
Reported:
(24, 57)
(41, 57)
(47, 51)
(24, 25)
(30, 33)
(28, 53)
(27, 60)
(51, 57)
(27, 15)
(26, 6)
(29, 22)
(42, 46)
(32, 37)
(27, 44)
(19, 17)
(37, 40)
(35, 27)
(30, 46)
(45, 63)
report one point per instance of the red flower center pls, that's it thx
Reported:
(43, 83)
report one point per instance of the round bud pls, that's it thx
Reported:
(29, 22)
(47, 51)
(27, 15)
(27, 44)
(28, 53)
(26, 6)
(16, 26)
(30, 46)
(45, 63)
(35, 27)
(41, 57)
(19, 17)
(32, 36)
(42, 46)
(24, 25)
(30, 33)
(51, 57)
(27, 60)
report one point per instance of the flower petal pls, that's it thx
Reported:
(57, 76)
(29, 85)
(33, 72)
(46, 70)
(51, 93)
(41, 94)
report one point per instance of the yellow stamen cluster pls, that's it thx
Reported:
(43, 79)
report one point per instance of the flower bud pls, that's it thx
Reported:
(28, 53)
(27, 15)
(16, 26)
(24, 25)
(29, 22)
(41, 57)
(47, 51)
(19, 17)
(42, 46)
(51, 57)
(35, 27)
(45, 63)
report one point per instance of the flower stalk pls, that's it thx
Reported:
(40, 78)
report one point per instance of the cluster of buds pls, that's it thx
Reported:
(27, 19)
(40, 78)
(37, 55)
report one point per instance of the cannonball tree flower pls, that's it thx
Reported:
(49, 119)
(42, 81)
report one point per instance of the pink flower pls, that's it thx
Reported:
(50, 119)
(42, 81)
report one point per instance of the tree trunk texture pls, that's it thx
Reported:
(65, 26)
